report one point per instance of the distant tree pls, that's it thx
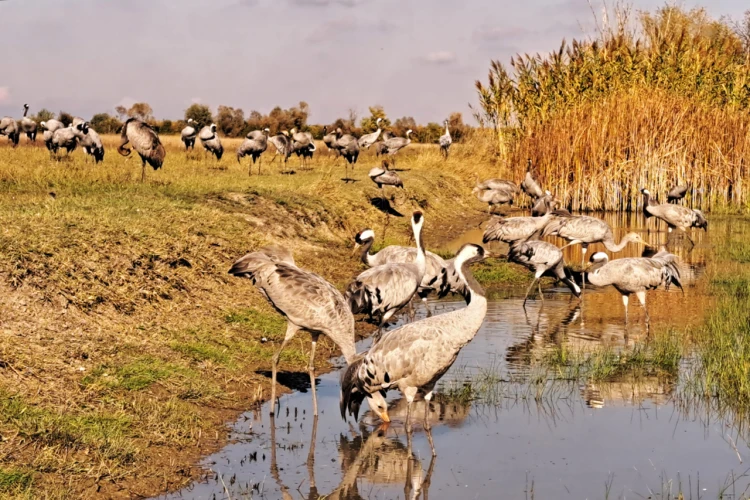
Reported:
(230, 121)
(403, 124)
(43, 115)
(65, 118)
(456, 126)
(142, 111)
(200, 113)
(742, 29)
(122, 112)
(316, 131)
(368, 123)
(166, 127)
(105, 124)
(429, 134)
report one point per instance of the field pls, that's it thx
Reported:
(125, 345)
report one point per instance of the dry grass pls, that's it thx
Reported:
(125, 345)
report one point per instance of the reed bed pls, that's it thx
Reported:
(649, 102)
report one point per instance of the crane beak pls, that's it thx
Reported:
(356, 246)
(384, 417)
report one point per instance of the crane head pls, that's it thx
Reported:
(377, 122)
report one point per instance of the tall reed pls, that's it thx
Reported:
(648, 103)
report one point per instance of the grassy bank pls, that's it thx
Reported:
(125, 345)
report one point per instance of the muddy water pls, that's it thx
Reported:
(621, 439)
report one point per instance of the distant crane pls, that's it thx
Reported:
(396, 144)
(145, 141)
(329, 139)
(28, 126)
(635, 275)
(368, 140)
(92, 144)
(514, 229)
(211, 141)
(445, 141)
(676, 216)
(347, 147)
(529, 185)
(9, 128)
(495, 192)
(283, 145)
(677, 193)
(307, 301)
(587, 230)
(69, 137)
(255, 144)
(189, 134)
(303, 145)
(382, 176)
(49, 127)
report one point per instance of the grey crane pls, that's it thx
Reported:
(380, 147)
(495, 192)
(513, 229)
(347, 147)
(28, 126)
(587, 230)
(543, 259)
(145, 141)
(439, 277)
(635, 275)
(329, 139)
(255, 144)
(283, 145)
(306, 300)
(544, 204)
(396, 144)
(412, 358)
(92, 144)
(529, 185)
(384, 289)
(303, 145)
(69, 137)
(383, 176)
(676, 216)
(445, 141)
(189, 134)
(677, 193)
(368, 140)
(211, 141)
(49, 127)
(9, 128)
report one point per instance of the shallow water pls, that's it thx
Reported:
(620, 439)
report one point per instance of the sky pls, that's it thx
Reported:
(416, 58)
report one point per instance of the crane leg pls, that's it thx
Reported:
(642, 299)
(426, 423)
(528, 291)
(291, 330)
(311, 454)
(541, 295)
(311, 370)
(143, 171)
(625, 303)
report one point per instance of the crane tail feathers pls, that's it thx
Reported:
(351, 397)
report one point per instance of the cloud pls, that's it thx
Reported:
(326, 3)
(492, 34)
(331, 30)
(195, 100)
(440, 57)
(4, 95)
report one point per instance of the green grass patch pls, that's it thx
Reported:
(134, 376)
(492, 272)
(271, 325)
(15, 480)
(202, 351)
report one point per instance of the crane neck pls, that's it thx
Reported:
(476, 309)
(421, 259)
(364, 255)
(609, 243)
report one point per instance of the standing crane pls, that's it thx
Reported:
(49, 127)
(383, 290)
(543, 259)
(412, 358)
(189, 134)
(306, 300)
(445, 141)
(677, 193)
(9, 128)
(347, 147)
(303, 145)
(495, 192)
(283, 145)
(676, 216)
(145, 141)
(383, 176)
(28, 126)
(396, 144)
(635, 275)
(255, 144)
(368, 140)
(211, 141)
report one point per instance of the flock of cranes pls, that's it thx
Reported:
(413, 357)
(145, 140)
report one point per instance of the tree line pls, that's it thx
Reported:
(232, 122)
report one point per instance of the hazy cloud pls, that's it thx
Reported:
(326, 3)
(440, 57)
(4, 95)
(331, 30)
